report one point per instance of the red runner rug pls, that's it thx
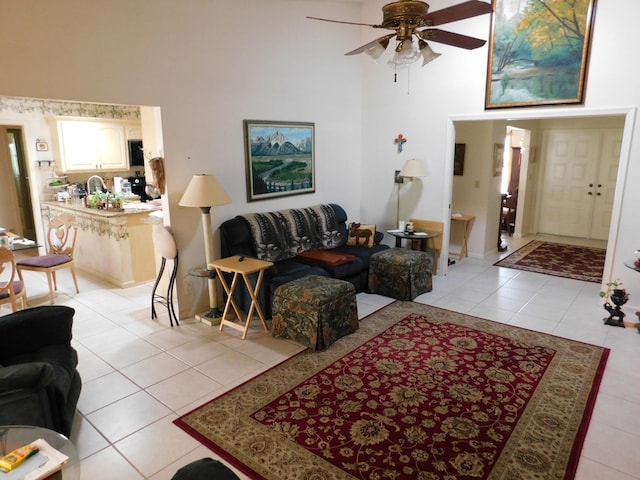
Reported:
(417, 393)
(560, 260)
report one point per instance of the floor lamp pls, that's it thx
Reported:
(205, 192)
(411, 169)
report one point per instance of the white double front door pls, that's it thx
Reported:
(580, 168)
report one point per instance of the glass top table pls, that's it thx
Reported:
(422, 236)
(17, 243)
(15, 436)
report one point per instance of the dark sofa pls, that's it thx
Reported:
(39, 383)
(286, 233)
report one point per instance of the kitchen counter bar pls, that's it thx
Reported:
(114, 246)
(132, 208)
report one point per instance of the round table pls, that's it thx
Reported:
(631, 264)
(422, 236)
(15, 436)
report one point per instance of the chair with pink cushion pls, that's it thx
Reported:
(61, 241)
(11, 290)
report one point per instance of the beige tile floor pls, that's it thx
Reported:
(139, 374)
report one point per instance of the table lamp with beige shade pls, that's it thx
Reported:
(411, 169)
(204, 191)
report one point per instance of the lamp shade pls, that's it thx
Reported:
(376, 50)
(412, 168)
(204, 191)
(428, 55)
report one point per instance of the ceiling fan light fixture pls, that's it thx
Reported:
(428, 55)
(376, 50)
(406, 53)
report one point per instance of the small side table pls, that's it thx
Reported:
(466, 228)
(212, 316)
(241, 267)
(422, 236)
(630, 264)
(14, 436)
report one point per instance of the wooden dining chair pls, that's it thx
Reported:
(11, 289)
(436, 243)
(61, 241)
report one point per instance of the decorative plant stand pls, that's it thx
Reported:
(616, 315)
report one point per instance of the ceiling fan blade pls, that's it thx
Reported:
(469, 9)
(380, 40)
(347, 23)
(450, 38)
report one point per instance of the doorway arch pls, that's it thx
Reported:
(537, 114)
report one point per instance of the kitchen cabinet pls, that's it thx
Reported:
(90, 145)
(133, 131)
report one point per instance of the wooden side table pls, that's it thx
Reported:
(466, 228)
(241, 267)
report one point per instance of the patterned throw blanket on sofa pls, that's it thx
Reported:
(286, 233)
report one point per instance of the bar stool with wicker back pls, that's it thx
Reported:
(61, 241)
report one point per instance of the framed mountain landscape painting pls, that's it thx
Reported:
(280, 158)
(538, 52)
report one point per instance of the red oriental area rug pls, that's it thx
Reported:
(416, 393)
(560, 260)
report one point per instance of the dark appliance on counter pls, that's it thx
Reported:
(138, 185)
(136, 154)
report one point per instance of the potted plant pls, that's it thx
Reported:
(614, 289)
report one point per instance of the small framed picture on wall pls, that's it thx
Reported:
(458, 159)
(498, 158)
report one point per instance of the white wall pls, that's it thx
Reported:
(452, 87)
(210, 64)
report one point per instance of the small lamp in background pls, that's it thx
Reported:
(411, 169)
(204, 191)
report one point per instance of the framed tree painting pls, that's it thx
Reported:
(538, 52)
(280, 159)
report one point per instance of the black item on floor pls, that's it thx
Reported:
(39, 383)
(205, 469)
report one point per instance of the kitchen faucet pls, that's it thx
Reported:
(94, 178)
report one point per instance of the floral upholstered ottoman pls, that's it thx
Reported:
(400, 273)
(315, 311)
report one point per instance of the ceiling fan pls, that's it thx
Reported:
(411, 18)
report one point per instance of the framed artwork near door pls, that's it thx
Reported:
(498, 158)
(280, 159)
(538, 52)
(458, 159)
